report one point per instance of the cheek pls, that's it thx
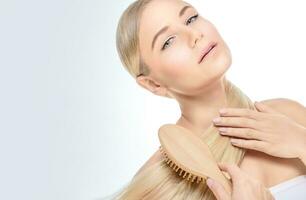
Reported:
(178, 61)
(179, 52)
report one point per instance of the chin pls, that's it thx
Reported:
(220, 69)
(224, 61)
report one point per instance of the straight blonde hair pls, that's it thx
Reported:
(159, 181)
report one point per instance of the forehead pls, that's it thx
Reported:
(156, 15)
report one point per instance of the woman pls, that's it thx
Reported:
(163, 45)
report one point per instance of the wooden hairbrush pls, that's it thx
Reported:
(189, 156)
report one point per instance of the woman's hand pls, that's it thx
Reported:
(267, 131)
(244, 187)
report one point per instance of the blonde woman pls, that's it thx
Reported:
(174, 52)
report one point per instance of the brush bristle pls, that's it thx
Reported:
(176, 168)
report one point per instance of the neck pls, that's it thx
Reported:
(197, 112)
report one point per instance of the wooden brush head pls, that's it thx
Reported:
(187, 154)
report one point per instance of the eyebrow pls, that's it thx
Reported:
(164, 29)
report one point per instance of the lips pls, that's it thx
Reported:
(206, 50)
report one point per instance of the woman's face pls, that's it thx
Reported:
(173, 55)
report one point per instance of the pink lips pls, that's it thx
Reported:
(206, 50)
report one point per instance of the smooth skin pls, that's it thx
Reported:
(244, 186)
(265, 131)
(199, 87)
(175, 72)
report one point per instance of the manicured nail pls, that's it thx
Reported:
(222, 111)
(218, 119)
(209, 182)
(234, 141)
(222, 129)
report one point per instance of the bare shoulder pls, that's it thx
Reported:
(291, 108)
(156, 157)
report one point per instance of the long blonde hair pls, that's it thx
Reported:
(159, 181)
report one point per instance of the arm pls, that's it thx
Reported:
(289, 107)
(303, 159)
(302, 155)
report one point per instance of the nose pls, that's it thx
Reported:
(194, 36)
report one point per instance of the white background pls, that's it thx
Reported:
(73, 123)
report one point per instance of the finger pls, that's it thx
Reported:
(235, 122)
(250, 144)
(240, 112)
(217, 189)
(232, 169)
(246, 133)
(264, 108)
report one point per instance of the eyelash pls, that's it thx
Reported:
(195, 16)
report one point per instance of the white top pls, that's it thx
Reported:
(292, 189)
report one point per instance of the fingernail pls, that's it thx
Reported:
(234, 141)
(218, 119)
(209, 182)
(222, 111)
(222, 129)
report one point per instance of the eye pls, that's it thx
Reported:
(193, 17)
(166, 43)
(188, 22)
